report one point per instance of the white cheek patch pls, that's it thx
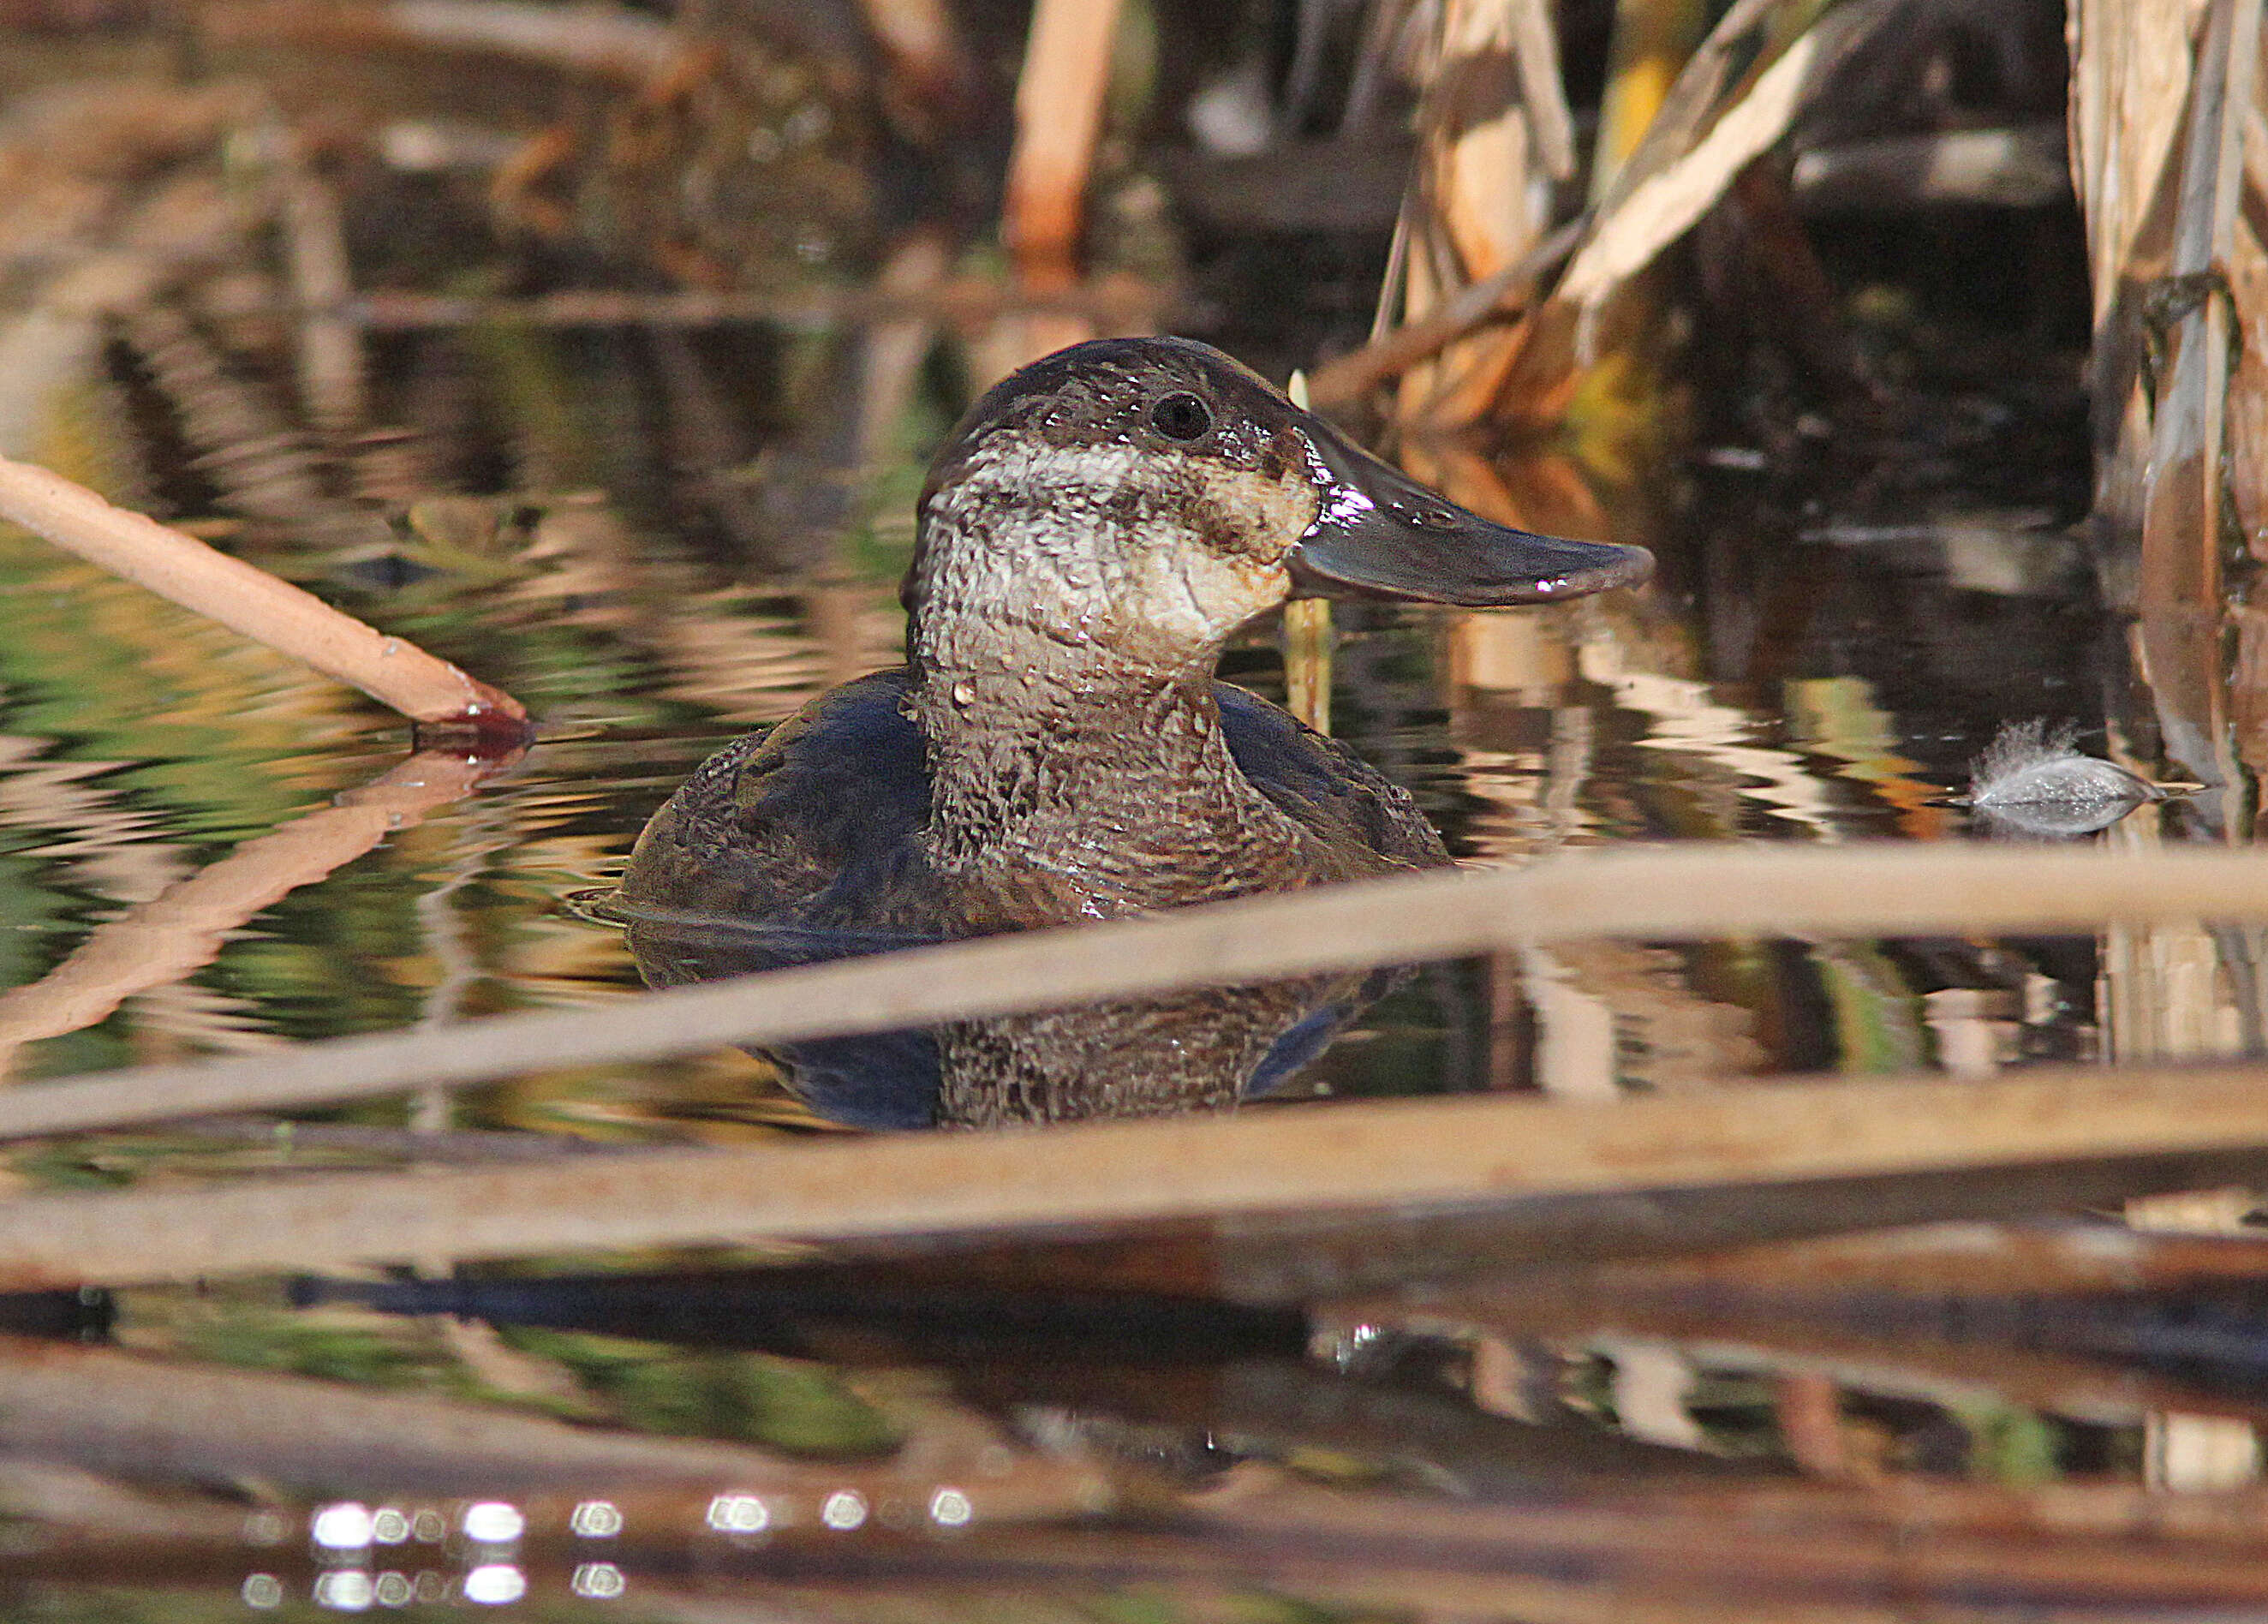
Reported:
(1189, 595)
(1225, 592)
(1272, 514)
(1059, 541)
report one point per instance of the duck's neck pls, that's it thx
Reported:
(1068, 782)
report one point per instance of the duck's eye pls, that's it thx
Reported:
(1181, 417)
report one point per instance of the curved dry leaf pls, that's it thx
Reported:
(1661, 208)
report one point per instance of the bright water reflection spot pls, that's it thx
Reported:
(389, 1525)
(347, 1591)
(738, 1514)
(844, 1511)
(263, 1590)
(598, 1581)
(949, 1508)
(596, 1519)
(346, 1527)
(495, 1583)
(493, 1522)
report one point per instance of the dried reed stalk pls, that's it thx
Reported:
(1059, 97)
(331, 382)
(1376, 1158)
(1662, 207)
(172, 933)
(250, 601)
(1307, 633)
(2180, 588)
(2130, 72)
(1307, 662)
(2074, 1257)
(2130, 83)
(1493, 132)
(113, 1411)
(1121, 302)
(603, 40)
(1647, 896)
(1058, 117)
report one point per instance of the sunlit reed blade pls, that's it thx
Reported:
(2153, 1128)
(1635, 224)
(1402, 921)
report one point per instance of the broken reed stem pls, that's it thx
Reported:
(1647, 896)
(1349, 380)
(248, 600)
(970, 301)
(1406, 1158)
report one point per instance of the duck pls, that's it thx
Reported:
(1057, 749)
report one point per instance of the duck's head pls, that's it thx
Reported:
(1146, 496)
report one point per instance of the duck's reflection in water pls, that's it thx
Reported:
(1134, 1059)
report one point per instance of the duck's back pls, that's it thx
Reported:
(815, 823)
(811, 821)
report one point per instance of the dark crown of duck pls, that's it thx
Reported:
(1152, 494)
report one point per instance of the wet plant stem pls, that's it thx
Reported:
(1307, 636)
(1307, 662)
(248, 600)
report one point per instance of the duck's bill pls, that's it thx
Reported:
(1382, 534)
